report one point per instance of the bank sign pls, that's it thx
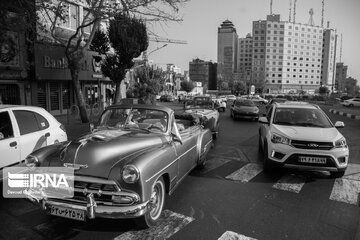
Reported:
(38, 183)
(51, 64)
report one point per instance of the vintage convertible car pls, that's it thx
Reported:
(204, 109)
(126, 165)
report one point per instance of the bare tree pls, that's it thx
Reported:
(52, 14)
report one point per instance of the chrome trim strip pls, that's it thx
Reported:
(147, 180)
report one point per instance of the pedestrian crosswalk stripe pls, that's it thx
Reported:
(290, 182)
(346, 190)
(246, 173)
(229, 235)
(165, 227)
(352, 172)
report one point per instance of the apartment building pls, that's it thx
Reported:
(245, 46)
(340, 77)
(286, 56)
(204, 72)
(328, 59)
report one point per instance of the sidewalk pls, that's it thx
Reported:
(74, 127)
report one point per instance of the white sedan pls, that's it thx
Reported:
(352, 102)
(24, 129)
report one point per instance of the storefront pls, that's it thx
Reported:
(14, 84)
(53, 88)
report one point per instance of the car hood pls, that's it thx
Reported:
(95, 154)
(308, 133)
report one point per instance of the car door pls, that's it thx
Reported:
(31, 135)
(9, 140)
(265, 128)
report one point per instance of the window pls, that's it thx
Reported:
(6, 130)
(71, 18)
(30, 122)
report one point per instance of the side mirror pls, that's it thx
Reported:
(263, 120)
(339, 124)
(176, 138)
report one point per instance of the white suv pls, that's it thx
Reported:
(300, 135)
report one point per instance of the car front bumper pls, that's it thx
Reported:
(94, 210)
(289, 157)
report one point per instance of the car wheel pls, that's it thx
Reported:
(338, 174)
(201, 164)
(223, 109)
(157, 202)
(351, 105)
(259, 145)
(267, 165)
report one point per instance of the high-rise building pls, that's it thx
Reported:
(204, 72)
(244, 59)
(328, 59)
(286, 56)
(340, 77)
(227, 51)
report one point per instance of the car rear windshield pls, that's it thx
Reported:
(244, 103)
(305, 117)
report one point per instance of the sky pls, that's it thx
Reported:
(201, 19)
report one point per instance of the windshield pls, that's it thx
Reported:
(305, 117)
(244, 103)
(135, 119)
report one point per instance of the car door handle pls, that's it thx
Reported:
(13, 144)
(47, 135)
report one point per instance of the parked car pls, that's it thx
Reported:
(243, 108)
(230, 98)
(220, 105)
(223, 98)
(167, 98)
(24, 129)
(352, 102)
(125, 170)
(157, 97)
(204, 108)
(300, 135)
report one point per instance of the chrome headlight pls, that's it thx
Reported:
(275, 138)
(341, 143)
(130, 174)
(32, 161)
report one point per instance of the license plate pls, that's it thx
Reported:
(75, 214)
(320, 160)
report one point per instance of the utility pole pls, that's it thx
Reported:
(290, 11)
(322, 13)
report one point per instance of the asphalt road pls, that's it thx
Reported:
(230, 199)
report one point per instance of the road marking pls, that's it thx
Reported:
(246, 173)
(167, 226)
(229, 235)
(346, 190)
(291, 183)
(214, 163)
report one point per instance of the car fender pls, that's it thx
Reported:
(204, 142)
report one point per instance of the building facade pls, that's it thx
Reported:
(328, 59)
(340, 77)
(245, 46)
(227, 51)
(286, 56)
(204, 72)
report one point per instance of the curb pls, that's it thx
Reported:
(344, 114)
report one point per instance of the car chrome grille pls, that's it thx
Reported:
(312, 145)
